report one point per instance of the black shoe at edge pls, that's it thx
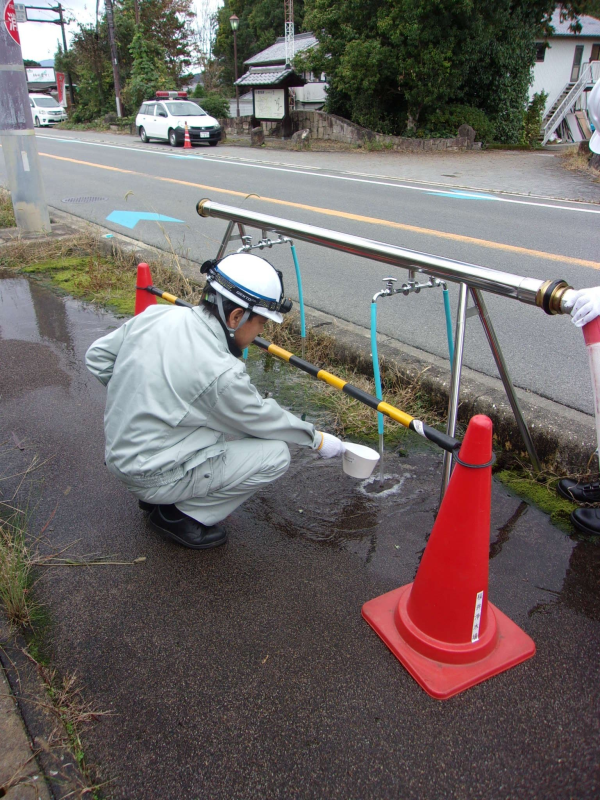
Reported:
(586, 493)
(587, 521)
(184, 530)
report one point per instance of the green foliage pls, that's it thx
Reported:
(155, 55)
(216, 105)
(148, 71)
(446, 121)
(261, 23)
(199, 91)
(27, 62)
(392, 65)
(532, 122)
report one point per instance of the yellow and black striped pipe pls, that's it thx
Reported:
(441, 439)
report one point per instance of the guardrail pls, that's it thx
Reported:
(472, 278)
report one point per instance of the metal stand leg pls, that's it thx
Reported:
(459, 344)
(228, 237)
(504, 374)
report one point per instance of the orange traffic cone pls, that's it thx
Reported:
(187, 143)
(442, 627)
(143, 299)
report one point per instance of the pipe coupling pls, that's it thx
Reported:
(550, 294)
(200, 207)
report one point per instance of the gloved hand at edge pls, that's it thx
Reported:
(584, 305)
(330, 446)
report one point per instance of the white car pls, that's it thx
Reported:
(165, 118)
(45, 110)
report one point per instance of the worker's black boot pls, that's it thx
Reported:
(585, 493)
(587, 521)
(147, 507)
(185, 530)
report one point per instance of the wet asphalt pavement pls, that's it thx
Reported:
(247, 671)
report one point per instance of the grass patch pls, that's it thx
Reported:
(7, 214)
(16, 575)
(576, 161)
(541, 491)
(79, 267)
(350, 417)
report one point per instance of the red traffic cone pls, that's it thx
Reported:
(187, 143)
(143, 299)
(442, 627)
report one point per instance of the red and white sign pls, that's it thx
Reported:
(10, 20)
(60, 87)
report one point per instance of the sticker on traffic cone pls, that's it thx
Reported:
(442, 627)
(187, 143)
(143, 299)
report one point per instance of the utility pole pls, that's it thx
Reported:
(61, 22)
(17, 135)
(113, 54)
(136, 5)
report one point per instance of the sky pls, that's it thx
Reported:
(39, 40)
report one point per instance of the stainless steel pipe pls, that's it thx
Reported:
(546, 294)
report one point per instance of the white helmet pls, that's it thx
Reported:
(250, 282)
(594, 112)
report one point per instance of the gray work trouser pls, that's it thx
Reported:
(211, 491)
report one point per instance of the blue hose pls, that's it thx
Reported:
(300, 295)
(375, 356)
(245, 353)
(448, 312)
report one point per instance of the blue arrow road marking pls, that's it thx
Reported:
(464, 195)
(129, 219)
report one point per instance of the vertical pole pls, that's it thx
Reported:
(237, 88)
(136, 5)
(59, 8)
(113, 54)
(17, 135)
(459, 344)
(506, 379)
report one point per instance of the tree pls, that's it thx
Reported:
(261, 23)
(391, 64)
(27, 62)
(156, 54)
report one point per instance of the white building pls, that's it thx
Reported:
(567, 66)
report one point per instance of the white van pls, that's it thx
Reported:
(45, 110)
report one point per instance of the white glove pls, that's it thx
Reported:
(330, 446)
(585, 305)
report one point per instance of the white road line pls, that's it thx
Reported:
(313, 174)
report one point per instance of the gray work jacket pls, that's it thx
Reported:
(174, 391)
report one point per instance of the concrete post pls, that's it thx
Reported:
(17, 135)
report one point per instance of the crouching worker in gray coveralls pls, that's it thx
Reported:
(176, 389)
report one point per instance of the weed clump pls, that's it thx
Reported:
(7, 214)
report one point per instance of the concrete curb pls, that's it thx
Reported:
(38, 727)
(565, 439)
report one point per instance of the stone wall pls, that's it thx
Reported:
(329, 127)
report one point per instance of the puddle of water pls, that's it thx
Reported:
(390, 485)
(43, 337)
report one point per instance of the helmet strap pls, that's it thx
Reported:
(244, 319)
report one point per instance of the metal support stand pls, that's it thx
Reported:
(241, 235)
(480, 309)
(506, 379)
(459, 345)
